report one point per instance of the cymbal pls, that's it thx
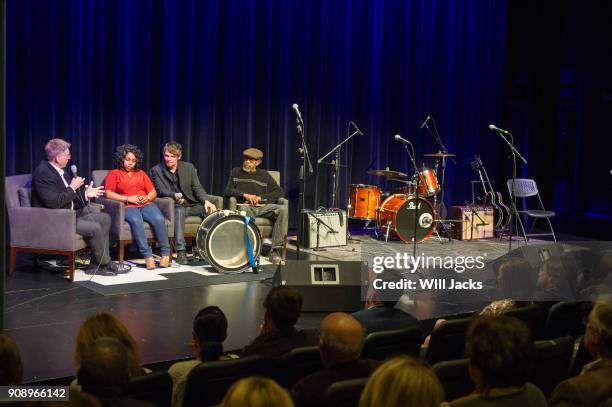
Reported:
(387, 173)
(440, 154)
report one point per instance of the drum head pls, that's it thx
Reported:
(221, 240)
(404, 221)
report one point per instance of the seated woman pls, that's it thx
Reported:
(500, 352)
(133, 187)
(106, 325)
(209, 332)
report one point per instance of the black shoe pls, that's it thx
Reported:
(181, 258)
(116, 268)
(99, 271)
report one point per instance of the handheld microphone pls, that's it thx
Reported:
(73, 169)
(356, 128)
(401, 140)
(425, 122)
(297, 111)
(495, 128)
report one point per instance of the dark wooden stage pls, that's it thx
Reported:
(44, 312)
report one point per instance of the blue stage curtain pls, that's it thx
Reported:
(218, 76)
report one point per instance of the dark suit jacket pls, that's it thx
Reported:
(380, 318)
(49, 191)
(189, 183)
(280, 342)
(526, 396)
(591, 388)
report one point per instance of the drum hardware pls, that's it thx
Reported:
(387, 173)
(440, 156)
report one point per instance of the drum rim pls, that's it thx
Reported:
(221, 268)
(364, 186)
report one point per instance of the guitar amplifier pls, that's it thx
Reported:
(323, 228)
(469, 226)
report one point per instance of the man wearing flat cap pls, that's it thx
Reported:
(258, 192)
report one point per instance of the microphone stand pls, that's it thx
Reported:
(438, 140)
(417, 203)
(304, 160)
(513, 213)
(336, 164)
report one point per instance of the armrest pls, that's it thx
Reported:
(283, 201)
(233, 203)
(116, 210)
(217, 200)
(166, 206)
(42, 228)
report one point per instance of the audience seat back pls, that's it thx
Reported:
(385, 344)
(448, 341)
(154, 387)
(455, 378)
(566, 318)
(345, 393)
(208, 382)
(299, 363)
(552, 362)
(580, 358)
(530, 315)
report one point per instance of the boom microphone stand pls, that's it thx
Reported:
(515, 153)
(304, 160)
(418, 181)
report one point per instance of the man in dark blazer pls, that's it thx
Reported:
(594, 385)
(179, 180)
(55, 188)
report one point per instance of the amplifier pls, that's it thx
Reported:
(323, 228)
(469, 226)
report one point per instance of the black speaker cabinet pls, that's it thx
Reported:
(324, 285)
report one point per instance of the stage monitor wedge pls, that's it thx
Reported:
(324, 285)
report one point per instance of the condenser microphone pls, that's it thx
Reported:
(297, 111)
(401, 140)
(425, 122)
(73, 168)
(495, 128)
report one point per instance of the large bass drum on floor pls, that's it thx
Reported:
(221, 240)
(396, 216)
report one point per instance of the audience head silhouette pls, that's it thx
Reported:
(341, 339)
(209, 332)
(256, 392)
(598, 334)
(11, 367)
(500, 350)
(105, 368)
(106, 325)
(402, 381)
(283, 307)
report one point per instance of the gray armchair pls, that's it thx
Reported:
(39, 230)
(120, 229)
(192, 223)
(265, 225)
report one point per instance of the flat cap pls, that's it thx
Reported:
(253, 153)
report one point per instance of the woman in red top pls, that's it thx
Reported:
(133, 187)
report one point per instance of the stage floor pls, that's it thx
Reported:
(44, 310)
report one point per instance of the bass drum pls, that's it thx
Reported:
(221, 240)
(396, 214)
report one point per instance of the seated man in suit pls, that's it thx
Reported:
(54, 188)
(258, 191)
(594, 385)
(278, 335)
(382, 314)
(179, 180)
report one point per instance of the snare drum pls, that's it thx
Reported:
(397, 213)
(428, 185)
(363, 201)
(221, 240)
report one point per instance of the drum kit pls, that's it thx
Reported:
(394, 213)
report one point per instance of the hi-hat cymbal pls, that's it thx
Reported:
(387, 173)
(440, 154)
